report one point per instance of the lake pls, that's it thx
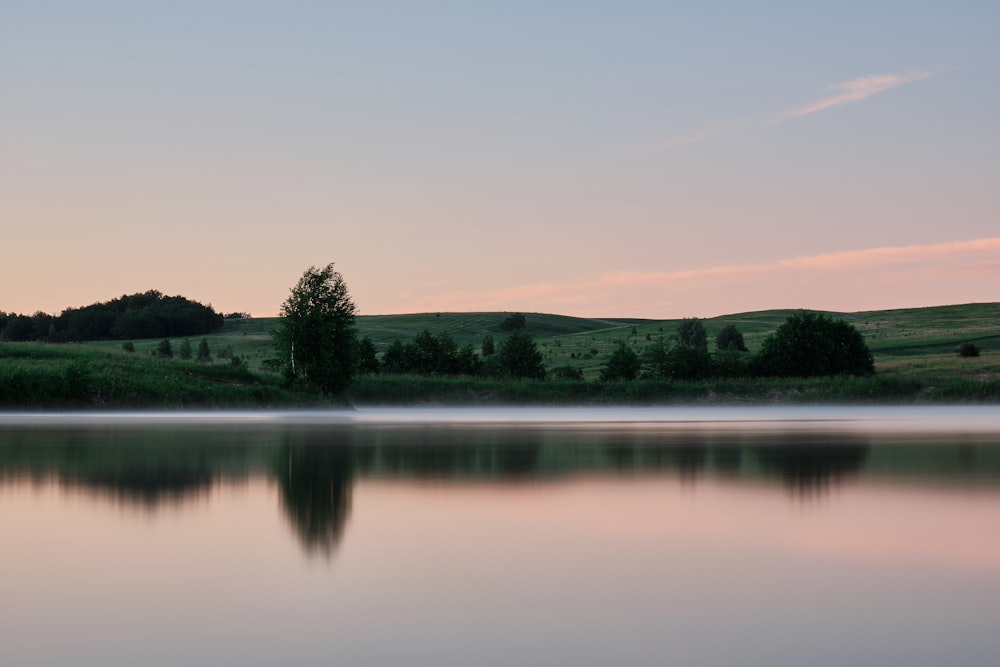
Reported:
(507, 536)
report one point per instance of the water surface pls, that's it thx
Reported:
(651, 536)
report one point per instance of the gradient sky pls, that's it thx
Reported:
(589, 158)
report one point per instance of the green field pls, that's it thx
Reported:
(914, 350)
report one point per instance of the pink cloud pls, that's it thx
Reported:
(846, 92)
(854, 90)
(868, 278)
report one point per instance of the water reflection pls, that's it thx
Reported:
(315, 472)
(811, 467)
(315, 467)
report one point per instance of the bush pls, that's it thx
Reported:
(685, 362)
(165, 349)
(128, 346)
(730, 338)
(968, 350)
(691, 332)
(811, 345)
(568, 373)
(204, 354)
(729, 363)
(366, 356)
(623, 364)
(514, 322)
(185, 352)
(518, 357)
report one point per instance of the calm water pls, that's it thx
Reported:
(756, 536)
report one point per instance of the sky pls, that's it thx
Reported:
(592, 158)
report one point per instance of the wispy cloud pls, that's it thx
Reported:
(846, 92)
(869, 278)
(852, 91)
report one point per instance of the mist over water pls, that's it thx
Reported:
(568, 536)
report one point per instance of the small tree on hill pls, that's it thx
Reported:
(165, 349)
(204, 355)
(968, 350)
(185, 351)
(730, 338)
(488, 347)
(691, 332)
(514, 322)
(315, 336)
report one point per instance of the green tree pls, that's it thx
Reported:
(367, 357)
(316, 333)
(691, 332)
(810, 345)
(488, 346)
(685, 362)
(730, 338)
(204, 355)
(165, 349)
(518, 357)
(185, 351)
(623, 364)
(514, 322)
(394, 358)
(658, 357)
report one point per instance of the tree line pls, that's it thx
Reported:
(317, 343)
(143, 315)
(807, 344)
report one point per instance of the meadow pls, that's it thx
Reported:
(915, 353)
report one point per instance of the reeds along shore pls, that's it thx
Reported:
(37, 376)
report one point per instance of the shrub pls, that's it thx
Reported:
(518, 357)
(730, 338)
(366, 356)
(514, 322)
(811, 345)
(568, 373)
(185, 351)
(968, 350)
(685, 362)
(204, 354)
(623, 364)
(128, 346)
(165, 349)
(691, 332)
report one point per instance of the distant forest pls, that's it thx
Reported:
(146, 315)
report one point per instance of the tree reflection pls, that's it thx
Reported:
(315, 471)
(687, 457)
(809, 466)
(727, 459)
(147, 487)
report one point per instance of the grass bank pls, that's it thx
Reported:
(914, 349)
(46, 376)
(419, 390)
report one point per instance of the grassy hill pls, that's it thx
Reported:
(914, 348)
(902, 341)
